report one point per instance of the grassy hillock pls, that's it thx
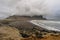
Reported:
(18, 28)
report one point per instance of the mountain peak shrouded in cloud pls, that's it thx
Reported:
(47, 8)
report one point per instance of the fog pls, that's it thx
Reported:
(48, 8)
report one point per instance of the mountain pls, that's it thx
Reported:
(27, 17)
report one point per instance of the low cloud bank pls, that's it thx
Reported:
(48, 8)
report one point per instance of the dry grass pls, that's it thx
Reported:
(11, 31)
(46, 37)
(8, 33)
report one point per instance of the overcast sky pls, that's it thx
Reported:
(48, 8)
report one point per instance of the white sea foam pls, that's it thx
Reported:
(49, 25)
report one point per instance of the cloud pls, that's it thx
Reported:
(47, 8)
(31, 7)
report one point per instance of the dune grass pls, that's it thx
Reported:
(8, 33)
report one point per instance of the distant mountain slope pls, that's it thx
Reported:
(27, 17)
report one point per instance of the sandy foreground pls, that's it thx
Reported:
(21, 29)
